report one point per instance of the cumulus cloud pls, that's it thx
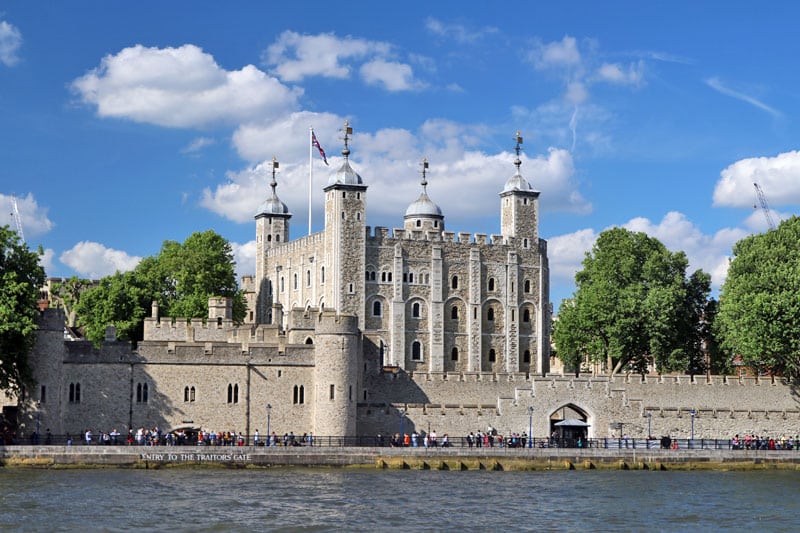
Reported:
(563, 54)
(33, 217)
(46, 261)
(710, 253)
(181, 87)
(245, 257)
(10, 43)
(294, 57)
(460, 177)
(777, 176)
(93, 260)
(390, 75)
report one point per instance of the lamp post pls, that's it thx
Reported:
(530, 426)
(269, 434)
(692, 412)
(38, 419)
(649, 417)
(402, 424)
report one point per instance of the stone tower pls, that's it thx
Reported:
(519, 208)
(272, 229)
(336, 374)
(345, 238)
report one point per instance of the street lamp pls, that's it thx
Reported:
(402, 423)
(530, 426)
(692, 412)
(269, 435)
(649, 417)
(38, 418)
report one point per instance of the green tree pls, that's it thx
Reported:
(67, 295)
(633, 302)
(181, 278)
(21, 278)
(759, 312)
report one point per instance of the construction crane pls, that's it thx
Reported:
(762, 200)
(17, 218)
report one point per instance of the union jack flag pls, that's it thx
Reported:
(315, 143)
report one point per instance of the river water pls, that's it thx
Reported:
(299, 499)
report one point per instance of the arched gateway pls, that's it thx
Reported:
(569, 426)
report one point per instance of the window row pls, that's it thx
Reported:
(416, 353)
(296, 280)
(491, 285)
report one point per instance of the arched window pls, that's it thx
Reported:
(389, 276)
(230, 393)
(526, 315)
(419, 222)
(490, 314)
(294, 285)
(144, 393)
(491, 284)
(309, 340)
(236, 394)
(415, 310)
(186, 394)
(492, 356)
(191, 394)
(302, 394)
(282, 284)
(454, 312)
(383, 277)
(308, 278)
(295, 395)
(416, 351)
(322, 275)
(138, 393)
(376, 308)
(524, 243)
(411, 277)
(527, 285)
(71, 393)
(269, 238)
(372, 276)
(454, 282)
(526, 357)
(277, 238)
(454, 354)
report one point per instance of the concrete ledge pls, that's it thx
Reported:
(405, 458)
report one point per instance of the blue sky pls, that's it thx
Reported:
(126, 124)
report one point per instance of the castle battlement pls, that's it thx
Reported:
(383, 236)
(302, 243)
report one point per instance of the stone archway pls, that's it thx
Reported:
(569, 426)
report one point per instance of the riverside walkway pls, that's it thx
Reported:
(396, 458)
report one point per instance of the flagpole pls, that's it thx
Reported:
(310, 172)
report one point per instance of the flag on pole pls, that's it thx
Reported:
(316, 144)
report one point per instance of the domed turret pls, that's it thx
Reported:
(519, 207)
(423, 214)
(273, 205)
(345, 175)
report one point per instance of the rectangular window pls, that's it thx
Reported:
(332, 392)
(43, 394)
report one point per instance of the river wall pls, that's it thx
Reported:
(395, 458)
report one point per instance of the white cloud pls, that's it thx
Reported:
(721, 88)
(390, 75)
(619, 75)
(295, 57)
(457, 32)
(460, 178)
(245, 257)
(557, 54)
(707, 252)
(10, 43)
(93, 260)
(33, 217)
(46, 261)
(777, 176)
(197, 145)
(181, 87)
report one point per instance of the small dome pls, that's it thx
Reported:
(345, 175)
(517, 183)
(273, 206)
(424, 206)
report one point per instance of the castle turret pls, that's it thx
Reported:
(272, 229)
(345, 237)
(336, 374)
(519, 208)
(424, 214)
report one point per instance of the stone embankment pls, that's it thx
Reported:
(395, 458)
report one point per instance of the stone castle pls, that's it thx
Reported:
(355, 332)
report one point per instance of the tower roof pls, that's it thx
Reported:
(424, 206)
(517, 182)
(346, 175)
(273, 205)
